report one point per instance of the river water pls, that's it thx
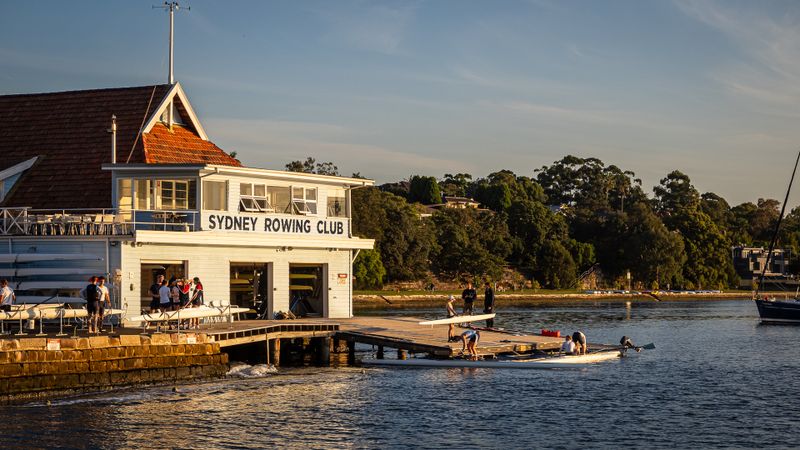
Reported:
(716, 379)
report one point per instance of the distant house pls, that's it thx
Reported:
(460, 203)
(751, 262)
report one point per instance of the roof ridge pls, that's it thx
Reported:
(147, 86)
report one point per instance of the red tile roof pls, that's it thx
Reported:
(181, 145)
(68, 132)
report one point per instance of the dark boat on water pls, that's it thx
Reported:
(778, 311)
(769, 309)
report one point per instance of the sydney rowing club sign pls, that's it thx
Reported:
(276, 224)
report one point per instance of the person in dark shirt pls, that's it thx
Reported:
(469, 295)
(488, 303)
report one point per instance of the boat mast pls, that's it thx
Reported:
(777, 228)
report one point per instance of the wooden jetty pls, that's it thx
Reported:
(401, 333)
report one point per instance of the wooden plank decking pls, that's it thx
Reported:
(397, 332)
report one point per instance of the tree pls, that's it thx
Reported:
(708, 261)
(471, 243)
(560, 271)
(424, 190)
(455, 185)
(310, 165)
(368, 270)
(403, 240)
(654, 255)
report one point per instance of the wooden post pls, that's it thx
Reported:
(351, 353)
(324, 351)
(402, 354)
(275, 352)
(380, 352)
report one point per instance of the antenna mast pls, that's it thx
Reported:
(171, 7)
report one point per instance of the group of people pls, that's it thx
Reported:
(177, 294)
(469, 339)
(97, 299)
(575, 344)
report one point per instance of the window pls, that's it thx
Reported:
(280, 198)
(304, 200)
(253, 198)
(175, 194)
(215, 195)
(336, 203)
(143, 194)
(124, 194)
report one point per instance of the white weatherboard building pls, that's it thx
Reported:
(149, 194)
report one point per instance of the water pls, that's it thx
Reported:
(716, 379)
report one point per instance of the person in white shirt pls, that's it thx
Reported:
(568, 346)
(105, 301)
(7, 297)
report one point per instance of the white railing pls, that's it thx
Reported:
(93, 221)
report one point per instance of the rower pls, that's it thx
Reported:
(451, 312)
(627, 343)
(568, 346)
(469, 342)
(580, 343)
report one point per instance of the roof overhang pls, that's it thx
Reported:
(209, 169)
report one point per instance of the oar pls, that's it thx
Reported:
(649, 346)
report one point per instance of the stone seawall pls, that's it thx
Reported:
(42, 367)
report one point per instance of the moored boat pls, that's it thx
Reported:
(778, 311)
(550, 362)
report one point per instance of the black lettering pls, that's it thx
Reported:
(268, 224)
(253, 222)
(339, 228)
(228, 222)
(286, 225)
(307, 226)
(212, 222)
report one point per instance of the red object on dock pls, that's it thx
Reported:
(551, 333)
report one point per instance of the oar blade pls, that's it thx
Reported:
(649, 346)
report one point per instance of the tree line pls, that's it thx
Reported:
(571, 216)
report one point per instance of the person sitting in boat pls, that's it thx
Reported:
(469, 342)
(580, 343)
(451, 312)
(568, 346)
(7, 297)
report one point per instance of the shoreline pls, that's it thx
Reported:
(368, 302)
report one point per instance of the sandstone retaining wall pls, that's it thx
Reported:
(40, 367)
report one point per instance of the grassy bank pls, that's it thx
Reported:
(370, 300)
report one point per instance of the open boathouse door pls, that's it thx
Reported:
(251, 287)
(150, 272)
(308, 293)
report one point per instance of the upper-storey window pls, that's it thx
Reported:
(336, 203)
(304, 200)
(253, 198)
(152, 194)
(215, 195)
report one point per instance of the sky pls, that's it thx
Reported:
(392, 89)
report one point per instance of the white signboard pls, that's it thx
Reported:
(276, 224)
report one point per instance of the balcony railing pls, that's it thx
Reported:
(92, 222)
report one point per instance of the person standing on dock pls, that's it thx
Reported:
(451, 312)
(488, 303)
(105, 301)
(469, 295)
(155, 299)
(7, 297)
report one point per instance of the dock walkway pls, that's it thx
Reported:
(397, 332)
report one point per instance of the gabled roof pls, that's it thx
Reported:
(68, 132)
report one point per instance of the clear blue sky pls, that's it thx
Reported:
(391, 89)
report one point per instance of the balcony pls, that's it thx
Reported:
(93, 222)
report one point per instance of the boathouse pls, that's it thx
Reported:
(125, 183)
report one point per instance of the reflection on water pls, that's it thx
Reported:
(717, 378)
